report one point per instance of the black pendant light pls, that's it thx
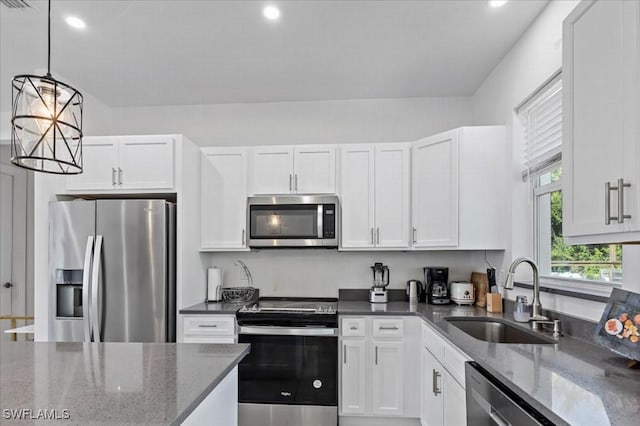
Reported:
(46, 122)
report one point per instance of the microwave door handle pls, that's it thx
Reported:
(320, 217)
(95, 287)
(86, 280)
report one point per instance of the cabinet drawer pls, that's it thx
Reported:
(432, 341)
(353, 327)
(453, 360)
(393, 327)
(209, 325)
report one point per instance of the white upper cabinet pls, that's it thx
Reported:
(435, 191)
(115, 163)
(100, 157)
(459, 186)
(601, 122)
(374, 190)
(314, 169)
(146, 162)
(223, 198)
(304, 169)
(357, 195)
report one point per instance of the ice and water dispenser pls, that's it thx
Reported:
(69, 293)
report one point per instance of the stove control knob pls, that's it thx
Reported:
(319, 309)
(330, 310)
(317, 384)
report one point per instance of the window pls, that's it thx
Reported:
(541, 119)
(597, 262)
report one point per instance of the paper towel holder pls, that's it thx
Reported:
(214, 284)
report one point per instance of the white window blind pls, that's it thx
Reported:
(541, 118)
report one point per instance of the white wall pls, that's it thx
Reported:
(366, 120)
(320, 272)
(533, 59)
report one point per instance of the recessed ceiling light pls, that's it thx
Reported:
(497, 3)
(272, 13)
(75, 22)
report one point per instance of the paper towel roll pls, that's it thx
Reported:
(214, 284)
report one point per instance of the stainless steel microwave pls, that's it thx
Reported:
(293, 221)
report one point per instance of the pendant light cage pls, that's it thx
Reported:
(46, 125)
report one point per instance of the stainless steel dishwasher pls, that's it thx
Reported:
(490, 402)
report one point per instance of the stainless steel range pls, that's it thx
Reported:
(290, 376)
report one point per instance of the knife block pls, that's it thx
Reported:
(494, 303)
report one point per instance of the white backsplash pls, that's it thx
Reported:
(320, 273)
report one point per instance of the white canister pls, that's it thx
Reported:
(214, 284)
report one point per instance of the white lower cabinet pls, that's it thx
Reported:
(209, 329)
(378, 364)
(443, 400)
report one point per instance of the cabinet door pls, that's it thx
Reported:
(387, 378)
(100, 163)
(224, 198)
(353, 386)
(392, 195)
(146, 162)
(595, 89)
(357, 195)
(455, 410)
(432, 400)
(272, 170)
(314, 169)
(435, 191)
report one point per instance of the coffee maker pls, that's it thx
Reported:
(378, 292)
(436, 280)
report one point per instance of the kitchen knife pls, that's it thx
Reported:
(491, 277)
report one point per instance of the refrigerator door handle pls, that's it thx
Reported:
(95, 280)
(86, 279)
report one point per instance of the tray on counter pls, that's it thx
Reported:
(619, 327)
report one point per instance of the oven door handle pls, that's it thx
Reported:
(289, 331)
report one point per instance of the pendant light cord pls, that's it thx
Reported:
(49, 43)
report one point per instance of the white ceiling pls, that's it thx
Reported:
(150, 52)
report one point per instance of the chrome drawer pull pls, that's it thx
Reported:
(353, 328)
(207, 325)
(389, 328)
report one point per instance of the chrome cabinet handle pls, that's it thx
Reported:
(376, 355)
(414, 234)
(607, 203)
(377, 235)
(119, 176)
(208, 325)
(621, 186)
(435, 388)
(372, 240)
(353, 328)
(295, 182)
(290, 183)
(388, 328)
(243, 237)
(344, 354)
(113, 176)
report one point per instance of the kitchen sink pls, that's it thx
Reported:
(495, 330)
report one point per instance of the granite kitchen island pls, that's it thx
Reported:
(119, 383)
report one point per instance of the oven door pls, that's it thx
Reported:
(289, 369)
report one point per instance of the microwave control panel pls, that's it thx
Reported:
(329, 221)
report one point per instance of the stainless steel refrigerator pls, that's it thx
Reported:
(112, 269)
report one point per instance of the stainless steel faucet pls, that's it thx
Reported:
(536, 314)
(247, 273)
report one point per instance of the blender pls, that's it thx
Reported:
(378, 292)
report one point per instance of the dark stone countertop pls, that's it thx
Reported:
(113, 383)
(572, 382)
